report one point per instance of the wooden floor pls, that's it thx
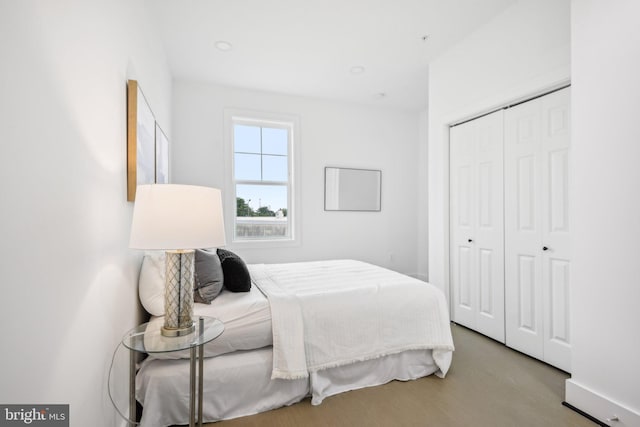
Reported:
(488, 385)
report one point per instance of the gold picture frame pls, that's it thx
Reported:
(141, 133)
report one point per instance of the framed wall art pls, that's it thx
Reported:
(162, 156)
(141, 130)
(350, 189)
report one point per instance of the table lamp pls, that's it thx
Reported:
(177, 219)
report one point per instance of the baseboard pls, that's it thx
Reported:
(584, 414)
(599, 407)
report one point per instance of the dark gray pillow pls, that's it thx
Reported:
(209, 277)
(236, 273)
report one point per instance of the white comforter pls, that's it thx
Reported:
(333, 313)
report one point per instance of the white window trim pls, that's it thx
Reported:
(294, 212)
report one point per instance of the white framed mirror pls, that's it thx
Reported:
(350, 189)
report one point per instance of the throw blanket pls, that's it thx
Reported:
(333, 313)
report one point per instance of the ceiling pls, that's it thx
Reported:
(310, 48)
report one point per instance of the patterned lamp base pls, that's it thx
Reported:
(178, 295)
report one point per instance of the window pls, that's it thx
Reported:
(261, 178)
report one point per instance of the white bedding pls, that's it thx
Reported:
(405, 366)
(327, 314)
(235, 384)
(247, 323)
(239, 384)
(338, 325)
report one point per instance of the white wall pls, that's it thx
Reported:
(521, 52)
(606, 210)
(68, 279)
(423, 199)
(332, 134)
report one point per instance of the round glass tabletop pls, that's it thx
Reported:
(147, 338)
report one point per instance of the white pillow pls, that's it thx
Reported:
(151, 283)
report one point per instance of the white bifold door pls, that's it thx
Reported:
(477, 228)
(509, 226)
(537, 245)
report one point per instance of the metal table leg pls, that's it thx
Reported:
(132, 388)
(200, 374)
(192, 385)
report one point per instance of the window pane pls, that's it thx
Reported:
(261, 211)
(247, 166)
(274, 141)
(274, 168)
(246, 139)
(273, 197)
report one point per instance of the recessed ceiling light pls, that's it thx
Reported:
(358, 69)
(223, 45)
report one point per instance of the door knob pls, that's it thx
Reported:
(544, 248)
(470, 240)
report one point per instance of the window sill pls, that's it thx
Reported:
(264, 244)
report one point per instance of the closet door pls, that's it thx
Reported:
(477, 229)
(556, 257)
(536, 228)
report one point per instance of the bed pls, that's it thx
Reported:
(304, 329)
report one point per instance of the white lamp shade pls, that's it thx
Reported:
(171, 216)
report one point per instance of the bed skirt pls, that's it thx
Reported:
(239, 384)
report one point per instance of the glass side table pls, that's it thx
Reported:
(146, 338)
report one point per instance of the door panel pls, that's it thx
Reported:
(556, 228)
(464, 196)
(523, 227)
(485, 194)
(526, 193)
(477, 226)
(464, 277)
(559, 300)
(489, 231)
(559, 191)
(537, 286)
(526, 287)
(486, 282)
(462, 227)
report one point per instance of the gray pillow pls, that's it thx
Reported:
(208, 276)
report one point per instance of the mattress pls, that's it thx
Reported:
(247, 323)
